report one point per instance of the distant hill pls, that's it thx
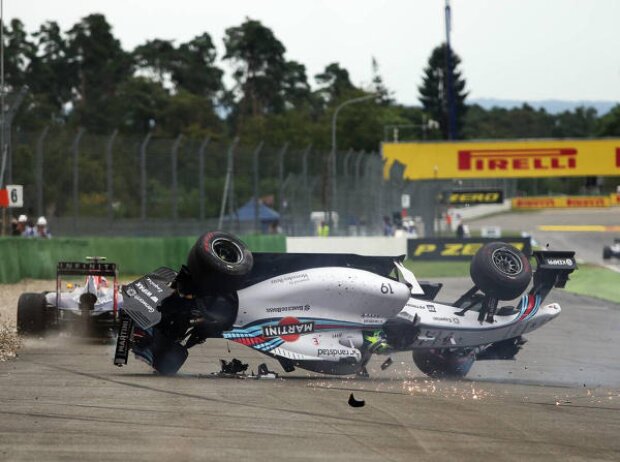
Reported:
(550, 105)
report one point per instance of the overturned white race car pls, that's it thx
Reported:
(330, 313)
(88, 308)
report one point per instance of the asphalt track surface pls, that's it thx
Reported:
(588, 245)
(62, 399)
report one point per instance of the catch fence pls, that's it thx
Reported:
(117, 184)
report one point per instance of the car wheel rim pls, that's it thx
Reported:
(507, 262)
(227, 251)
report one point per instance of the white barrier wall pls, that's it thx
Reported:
(475, 211)
(361, 245)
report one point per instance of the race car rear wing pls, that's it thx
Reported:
(78, 268)
(552, 270)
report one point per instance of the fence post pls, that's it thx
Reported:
(358, 161)
(307, 191)
(201, 177)
(7, 124)
(110, 173)
(345, 190)
(38, 172)
(256, 186)
(228, 180)
(380, 199)
(174, 187)
(76, 177)
(281, 155)
(360, 191)
(143, 147)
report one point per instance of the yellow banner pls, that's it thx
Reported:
(505, 159)
(560, 202)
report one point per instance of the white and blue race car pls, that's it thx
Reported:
(330, 313)
(612, 251)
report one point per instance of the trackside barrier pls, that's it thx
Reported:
(361, 245)
(36, 258)
(550, 202)
(455, 249)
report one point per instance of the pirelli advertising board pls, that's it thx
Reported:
(510, 159)
(561, 202)
(454, 249)
(473, 197)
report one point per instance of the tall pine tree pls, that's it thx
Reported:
(434, 89)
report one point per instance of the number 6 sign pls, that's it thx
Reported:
(12, 196)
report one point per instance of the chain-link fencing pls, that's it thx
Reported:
(117, 184)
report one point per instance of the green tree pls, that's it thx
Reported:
(192, 115)
(295, 88)
(385, 96)
(257, 57)
(521, 122)
(580, 123)
(155, 59)
(433, 91)
(19, 50)
(609, 124)
(50, 79)
(194, 67)
(101, 65)
(140, 105)
(334, 82)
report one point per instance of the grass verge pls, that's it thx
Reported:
(590, 280)
(595, 281)
(438, 269)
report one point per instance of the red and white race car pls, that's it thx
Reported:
(90, 308)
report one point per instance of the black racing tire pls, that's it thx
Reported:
(500, 270)
(444, 363)
(168, 361)
(606, 252)
(218, 261)
(31, 316)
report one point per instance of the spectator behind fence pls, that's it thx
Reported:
(22, 227)
(42, 230)
(388, 230)
(323, 229)
(460, 230)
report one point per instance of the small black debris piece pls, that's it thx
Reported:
(363, 372)
(387, 363)
(355, 403)
(233, 367)
(265, 373)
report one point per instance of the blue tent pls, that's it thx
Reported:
(265, 214)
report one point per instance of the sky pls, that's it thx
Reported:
(510, 49)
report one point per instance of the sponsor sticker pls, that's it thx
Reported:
(291, 279)
(335, 352)
(283, 309)
(289, 329)
(446, 319)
